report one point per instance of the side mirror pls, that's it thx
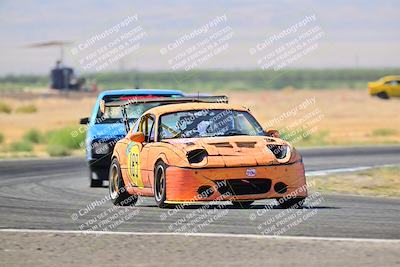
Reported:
(136, 137)
(273, 133)
(84, 121)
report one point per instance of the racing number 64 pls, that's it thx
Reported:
(134, 166)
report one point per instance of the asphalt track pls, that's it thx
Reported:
(54, 194)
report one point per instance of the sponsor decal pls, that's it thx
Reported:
(251, 172)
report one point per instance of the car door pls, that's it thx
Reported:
(148, 130)
(395, 90)
(138, 154)
(392, 87)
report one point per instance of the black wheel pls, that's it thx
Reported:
(97, 176)
(160, 189)
(296, 202)
(96, 183)
(382, 95)
(118, 193)
(242, 204)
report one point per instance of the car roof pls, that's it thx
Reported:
(159, 110)
(391, 77)
(140, 92)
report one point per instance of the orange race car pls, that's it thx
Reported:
(194, 152)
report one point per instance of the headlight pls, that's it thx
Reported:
(101, 148)
(281, 152)
(196, 156)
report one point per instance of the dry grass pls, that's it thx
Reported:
(384, 181)
(52, 113)
(349, 116)
(26, 109)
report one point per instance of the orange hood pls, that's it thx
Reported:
(235, 150)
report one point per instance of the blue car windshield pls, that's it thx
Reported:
(114, 114)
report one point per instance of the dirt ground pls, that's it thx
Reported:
(306, 117)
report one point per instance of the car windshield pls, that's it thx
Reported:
(114, 114)
(208, 123)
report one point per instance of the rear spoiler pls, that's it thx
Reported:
(171, 100)
(166, 100)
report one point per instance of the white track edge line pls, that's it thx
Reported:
(252, 236)
(325, 172)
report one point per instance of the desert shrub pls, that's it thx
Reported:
(4, 108)
(21, 146)
(383, 132)
(319, 138)
(58, 150)
(302, 137)
(67, 137)
(34, 136)
(27, 109)
(295, 135)
(1, 138)
(60, 142)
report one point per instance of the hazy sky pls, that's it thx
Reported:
(360, 33)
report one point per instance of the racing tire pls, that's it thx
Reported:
(160, 181)
(100, 175)
(118, 193)
(382, 95)
(96, 183)
(296, 202)
(242, 204)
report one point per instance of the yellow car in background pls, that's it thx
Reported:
(385, 87)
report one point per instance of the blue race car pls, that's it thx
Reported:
(106, 127)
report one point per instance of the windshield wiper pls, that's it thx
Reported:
(230, 134)
(234, 134)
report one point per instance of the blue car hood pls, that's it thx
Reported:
(106, 131)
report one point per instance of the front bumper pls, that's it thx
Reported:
(235, 183)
